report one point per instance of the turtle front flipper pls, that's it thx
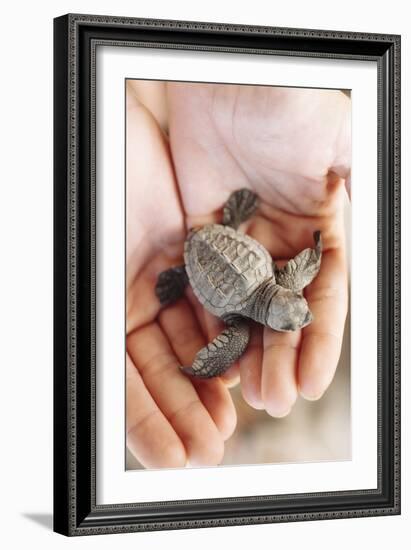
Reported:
(218, 356)
(301, 270)
(171, 285)
(240, 206)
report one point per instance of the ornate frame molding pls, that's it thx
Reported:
(76, 40)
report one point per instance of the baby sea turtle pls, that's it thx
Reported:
(235, 278)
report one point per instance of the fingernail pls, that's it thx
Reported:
(310, 396)
(252, 397)
(278, 412)
(255, 404)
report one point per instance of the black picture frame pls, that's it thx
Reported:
(75, 509)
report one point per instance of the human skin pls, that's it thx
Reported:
(171, 419)
(292, 147)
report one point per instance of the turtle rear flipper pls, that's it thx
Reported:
(240, 206)
(171, 285)
(218, 356)
(301, 270)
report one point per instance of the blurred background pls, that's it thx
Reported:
(313, 431)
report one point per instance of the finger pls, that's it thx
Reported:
(216, 397)
(150, 437)
(148, 160)
(182, 330)
(142, 303)
(278, 378)
(321, 344)
(231, 377)
(152, 94)
(184, 334)
(250, 369)
(175, 395)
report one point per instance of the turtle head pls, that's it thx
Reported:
(288, 311)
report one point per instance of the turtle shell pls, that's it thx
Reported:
(225, 267)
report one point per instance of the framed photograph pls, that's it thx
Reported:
(227, 274)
